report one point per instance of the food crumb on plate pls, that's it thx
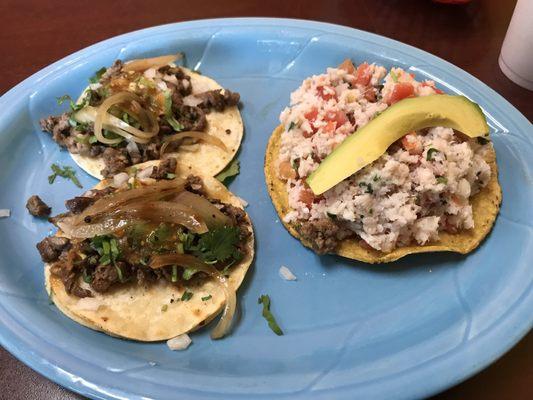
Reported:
(180, 342)
(5, 212)
(286, 274)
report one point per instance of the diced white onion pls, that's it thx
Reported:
(171, 79)
(4, 213)
(180, 342)
(150, 73)
(120, 179)
(191, 100)
(88, 304)
(286, 273)
(145, 173)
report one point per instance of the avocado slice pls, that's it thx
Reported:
(371, 141)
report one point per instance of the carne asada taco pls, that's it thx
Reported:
(418, 175)
(149, 259)
(140, 110)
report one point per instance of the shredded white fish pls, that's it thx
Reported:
(5, 212)
(180, 342)
(286, 274)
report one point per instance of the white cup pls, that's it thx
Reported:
(516, 57)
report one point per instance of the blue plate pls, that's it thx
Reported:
(402, 330)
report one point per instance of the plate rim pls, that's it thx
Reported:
(519, 313)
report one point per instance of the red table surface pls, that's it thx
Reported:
(36, 33)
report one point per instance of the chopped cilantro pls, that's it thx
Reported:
(267, 314)
(295, 164)
(92, 139)
(368, 187)
(86, 277)
(393, 76)
(159, 235)
(174, 277)
(291, 125)
(219, 244)
(186, 296)
(180, 248)
(174, 123)
(73, 106)
(376, 178)
(97, 75)
(229, 172)
(164, 307)
(170, 175)
(107, 248)
(188, 273)
(430, 153)
(65, 172)
(206, 298)
(442, 179)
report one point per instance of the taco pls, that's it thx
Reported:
(433, 189)
(148, 259)
(138, 111)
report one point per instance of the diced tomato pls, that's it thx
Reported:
(330, 127)
(401, 91)
(432, 86)
(364, 74)
(306, 197)
(348, 66)
(412, 75)
(413, 147)
(311, 117)
(311, 114)
(336, 116)
(326, 93)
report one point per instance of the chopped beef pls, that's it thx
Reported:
(37, 207)
(96, 194)
(195, 185)
(183, 86)
(104, 276)
(115, 161)
(150, 151)
(58, 126)
(112, 72)
(79, 203)
(96, 150)
(235, 213)
(167, 166)
(215, 99)
(323, 235)
(51, 247)
(70, 281)
(192, 118)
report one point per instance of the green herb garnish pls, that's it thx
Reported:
(174, 277)
(86, 277)
(73, 106)
(65, 172)
(219, 244)
(107, 247)
(97, 75)
(291, 125)
(267, 314)
(186, 296)
(442, 179)
(376, 178)
(170, 175)
(188, 273)
(393, 76)
(164, 307)
(430, 153)
(206, 298)
(368, 187)
(295, 164)
(169, 116)
(230, 171)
